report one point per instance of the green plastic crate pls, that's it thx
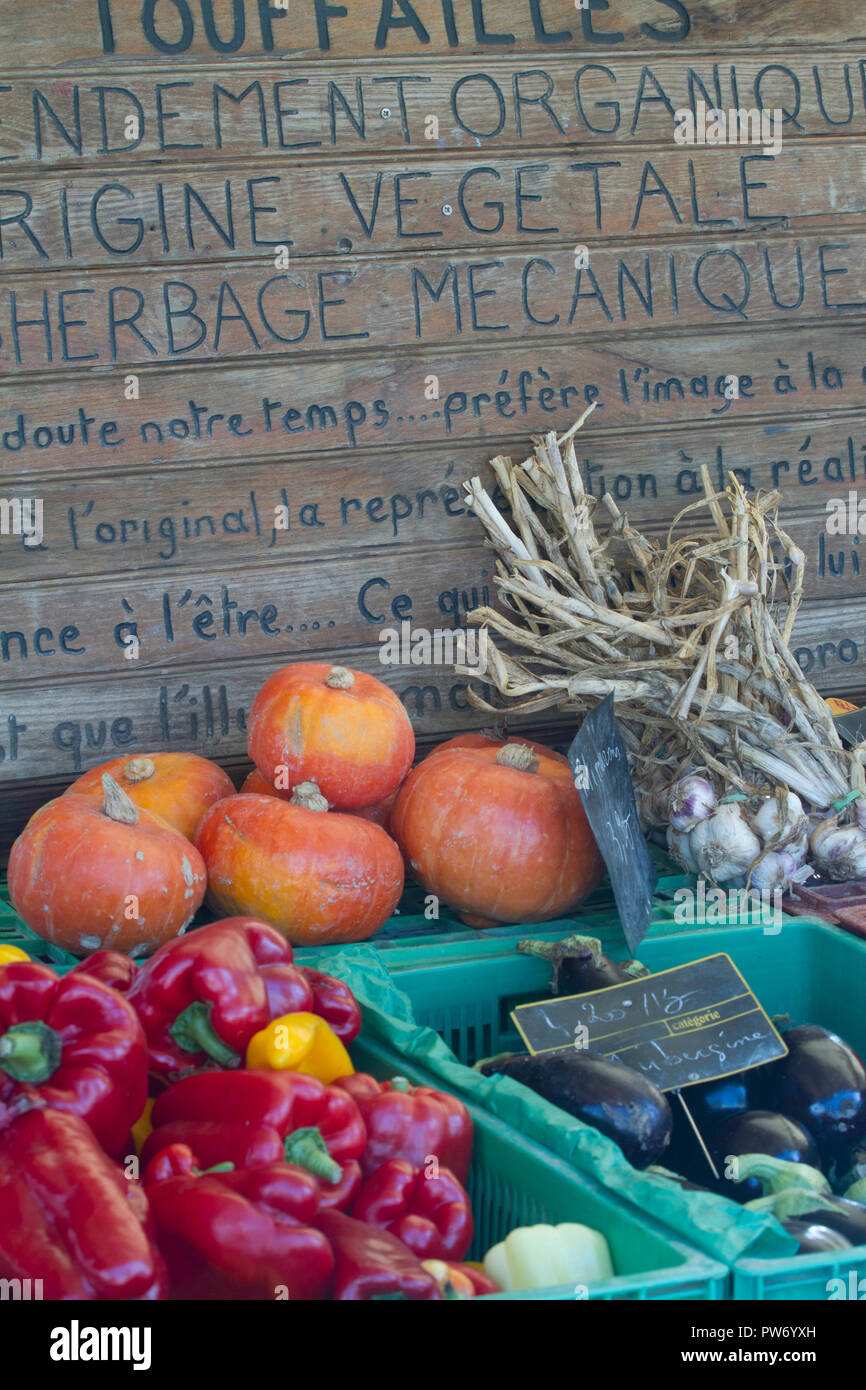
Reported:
(14, 933)
(810, 970)
(515, 1182)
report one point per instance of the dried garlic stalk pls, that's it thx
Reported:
(691, 635)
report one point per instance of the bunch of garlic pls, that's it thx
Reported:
(761, 844)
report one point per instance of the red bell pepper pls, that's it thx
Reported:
(258, 1146)
(111, 967)
(303, 1121)
(72, 1043)
(246, 1233)
(202, 996)
(69, 1217)
(415, 1123)
(373, 1264)
(431, 1215)
(289, 992)
(334, 1002)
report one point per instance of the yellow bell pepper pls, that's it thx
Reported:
(837, 706)
(142, 1127)
(9, 953)
(300, 1042)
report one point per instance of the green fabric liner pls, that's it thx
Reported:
(721, 1228)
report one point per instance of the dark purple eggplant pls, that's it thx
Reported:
(579, 964)
(714, 1101)
(614, 1098)
(821, 1083)
(758, 1132)
(848, 1218)
(813, 1236)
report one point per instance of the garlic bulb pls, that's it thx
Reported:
(724, 845)
(776, 869)
(691, 800)
(839, 850)
(775, 829)
(681, 850)
(798, 848)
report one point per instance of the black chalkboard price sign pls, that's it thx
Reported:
(693, 1023)
(599, 765)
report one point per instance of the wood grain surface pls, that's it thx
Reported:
(275, 281)
(162, 32)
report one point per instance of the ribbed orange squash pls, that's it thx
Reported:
(91, 876)
(342, 729)
(179, 787)
(497, 831)
(317, 875)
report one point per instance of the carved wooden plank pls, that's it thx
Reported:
(83, 31)
(199, 313)
(53, 731)
(47, 732)
(408, 204)
(96, 627)
(125, 117)
(238, 412)
(123, 522)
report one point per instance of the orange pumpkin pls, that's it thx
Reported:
(341, 729)
(318, 876)
(258, 785)
(178, 787)
(379, 813)
(93, 877)
(497, 831)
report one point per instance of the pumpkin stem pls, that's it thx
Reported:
(307, 795)
(116, 804)
(340, 678)
(139, 769)
(517, 756)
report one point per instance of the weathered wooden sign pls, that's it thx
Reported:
(277, 275)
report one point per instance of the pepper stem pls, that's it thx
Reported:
(193, 1031)
(226, 1167)
(400, 1083)
(307, 1149)
(30, 1052)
